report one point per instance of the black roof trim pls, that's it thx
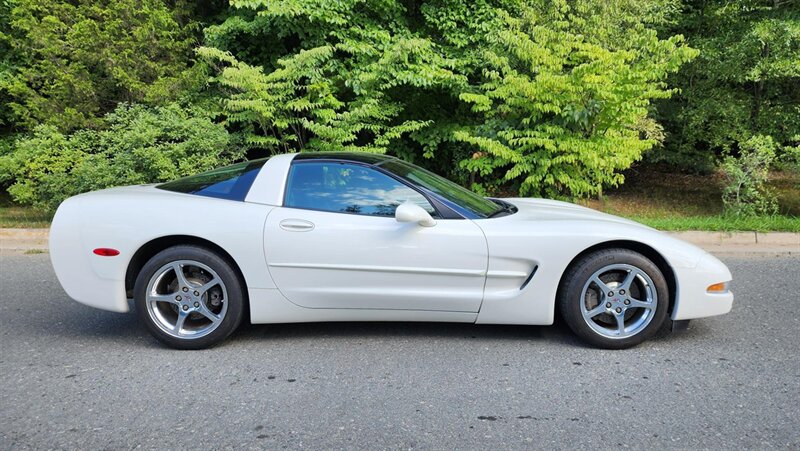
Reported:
(357, 157)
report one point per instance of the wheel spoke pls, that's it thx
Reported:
(168, 298)
(640, 304)
(207, 286)
(620, 324)
(601, 285)
(178, 268)
(595, 311)
(179, 323)
(214, 318)
(626, 284)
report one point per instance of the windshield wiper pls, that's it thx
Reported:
(505, 207)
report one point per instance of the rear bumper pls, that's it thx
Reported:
(87, 278)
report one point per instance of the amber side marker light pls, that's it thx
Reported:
(106, 252)
(721, 287)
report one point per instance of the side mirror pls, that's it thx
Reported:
(410, 212)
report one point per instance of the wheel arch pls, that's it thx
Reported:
(149, 249)
(636, 246)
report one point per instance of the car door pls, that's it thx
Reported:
(336, 244)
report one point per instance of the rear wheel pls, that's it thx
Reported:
(189, 297)
(614, 298)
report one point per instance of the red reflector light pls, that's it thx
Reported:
(105, 252)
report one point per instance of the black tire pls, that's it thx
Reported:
(643, 321)
(226, 297)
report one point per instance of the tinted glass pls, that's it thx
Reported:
(453, 192)
(348, 188)
(231, 182)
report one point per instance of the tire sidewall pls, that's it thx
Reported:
(570, 296)
(224, 269)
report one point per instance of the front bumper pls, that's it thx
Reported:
(692, 300)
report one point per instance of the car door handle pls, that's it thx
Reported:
(297, 225)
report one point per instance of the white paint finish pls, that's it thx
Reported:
(269, 185)
(357, 261)
(73, 264)
(550, 234)
(127, 218)
(694, 301)
(390, 269)
(270, 306)
(369, 268)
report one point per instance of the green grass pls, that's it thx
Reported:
(669, 201)
(15, 216)
(721, 223)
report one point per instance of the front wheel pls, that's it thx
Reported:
(614, 298)
(188, 297)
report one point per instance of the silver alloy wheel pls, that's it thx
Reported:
(186, 299)
(619, 301)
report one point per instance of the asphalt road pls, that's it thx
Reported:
(75, 377)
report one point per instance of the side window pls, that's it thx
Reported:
(348, 188)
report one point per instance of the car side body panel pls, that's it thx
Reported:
(548, 235)
(127, 218)
(528, 253)
(332, 260)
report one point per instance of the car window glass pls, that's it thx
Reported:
(464, 198)
(230, 182)
(348, 188)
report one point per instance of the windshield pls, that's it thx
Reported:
(231, 182)
(462, 198)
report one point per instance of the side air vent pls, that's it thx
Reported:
(530, 276)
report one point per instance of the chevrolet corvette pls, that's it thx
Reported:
(361, 237)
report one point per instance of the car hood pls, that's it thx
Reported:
(554, 210)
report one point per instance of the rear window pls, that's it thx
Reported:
(231, 182)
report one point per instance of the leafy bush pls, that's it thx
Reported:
(745, 193)
(139, 145)
(67, 63)
(528, 94)
(746, 80)
(562, 115)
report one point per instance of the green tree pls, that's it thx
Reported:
(530, 94)
(745, 82)
(66, 64)
(563, 114)
(140, 145)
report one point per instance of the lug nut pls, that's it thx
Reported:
(178, 297)
(610, 293)
(619, 310)
(186, 307)
(627, 302)
(622, 292)
(197, 293)
(197, 304)
(608, 305)
(185, 289)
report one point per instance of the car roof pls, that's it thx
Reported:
(358, 157)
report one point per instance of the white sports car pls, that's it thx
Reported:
(362, 237)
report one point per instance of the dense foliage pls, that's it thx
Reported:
(541, 97)
(745, 82)
(140, 145)
(512, 93)
(69, 63)
(745, 193)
